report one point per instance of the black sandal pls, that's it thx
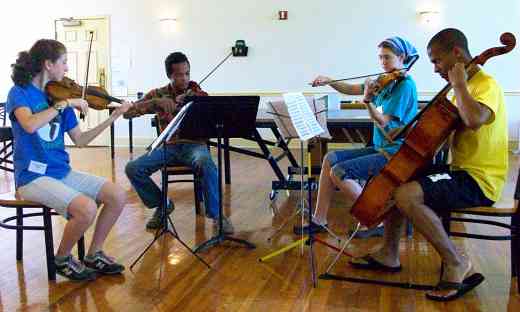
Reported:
(461, 288)
(372, 264)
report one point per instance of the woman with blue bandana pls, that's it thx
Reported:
(398, 105)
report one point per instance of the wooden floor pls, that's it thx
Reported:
(170, 279)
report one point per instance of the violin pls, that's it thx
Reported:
(96, 97)
(385, 79)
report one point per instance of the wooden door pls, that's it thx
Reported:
(75, 35)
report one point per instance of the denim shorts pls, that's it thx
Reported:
(356, 164)
(58, 194)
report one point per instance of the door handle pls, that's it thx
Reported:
(102, 78)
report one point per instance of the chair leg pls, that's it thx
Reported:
(446, 222)
(515, 249)
(19, 233)
(81, 248)
(49, 244)
(514, 259)
(196, 191)
(409, 229)
(515, 254)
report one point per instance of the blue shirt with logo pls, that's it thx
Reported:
(398, 99)
(41, 153)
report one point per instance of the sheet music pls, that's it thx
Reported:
(302, 116)
(171, 128)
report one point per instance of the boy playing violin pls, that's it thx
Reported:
(166, 102)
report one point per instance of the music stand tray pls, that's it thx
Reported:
(220, 117)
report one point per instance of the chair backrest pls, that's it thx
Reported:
(2, 113)
(6, 149)
(422, 103)
(155, 124)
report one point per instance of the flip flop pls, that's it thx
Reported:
(372, 264)
(467, 284)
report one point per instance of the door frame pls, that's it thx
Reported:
(108, 72)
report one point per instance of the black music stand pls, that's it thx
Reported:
(160, 142)
(220, 117)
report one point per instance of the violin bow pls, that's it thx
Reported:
(84, 91)
(405, 69)
(188, 92)
(215, 68)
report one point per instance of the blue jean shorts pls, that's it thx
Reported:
(58, 194)
(356, 164)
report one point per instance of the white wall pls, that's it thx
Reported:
(332, 37)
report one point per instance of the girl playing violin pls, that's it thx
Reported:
(42, 164)
(398, 101)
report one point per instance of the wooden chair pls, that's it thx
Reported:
(179, 170)
(513, 226)
(6, 149)
(46, 213)
(3, 113)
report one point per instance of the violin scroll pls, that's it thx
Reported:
(508, 39)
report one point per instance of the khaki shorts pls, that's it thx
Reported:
(58, 194)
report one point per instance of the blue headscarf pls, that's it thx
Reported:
(404, 47)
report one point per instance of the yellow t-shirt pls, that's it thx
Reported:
(483, 153)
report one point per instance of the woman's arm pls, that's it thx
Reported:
(82, 139)
(343, 87)
(381, 119)
(32, 122)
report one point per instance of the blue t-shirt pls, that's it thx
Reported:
(398, 99)
(41, 153)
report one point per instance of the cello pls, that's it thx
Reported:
(424, 135)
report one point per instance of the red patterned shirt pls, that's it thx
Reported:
(147, 105)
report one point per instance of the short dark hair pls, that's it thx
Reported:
(174, 58)
(30, 63)
(449, 38)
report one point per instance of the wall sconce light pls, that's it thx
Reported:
(429, 16)
(168, 23)
(168, 19)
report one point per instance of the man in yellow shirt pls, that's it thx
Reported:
(475, 177)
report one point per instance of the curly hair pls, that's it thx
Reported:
(30, 63)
